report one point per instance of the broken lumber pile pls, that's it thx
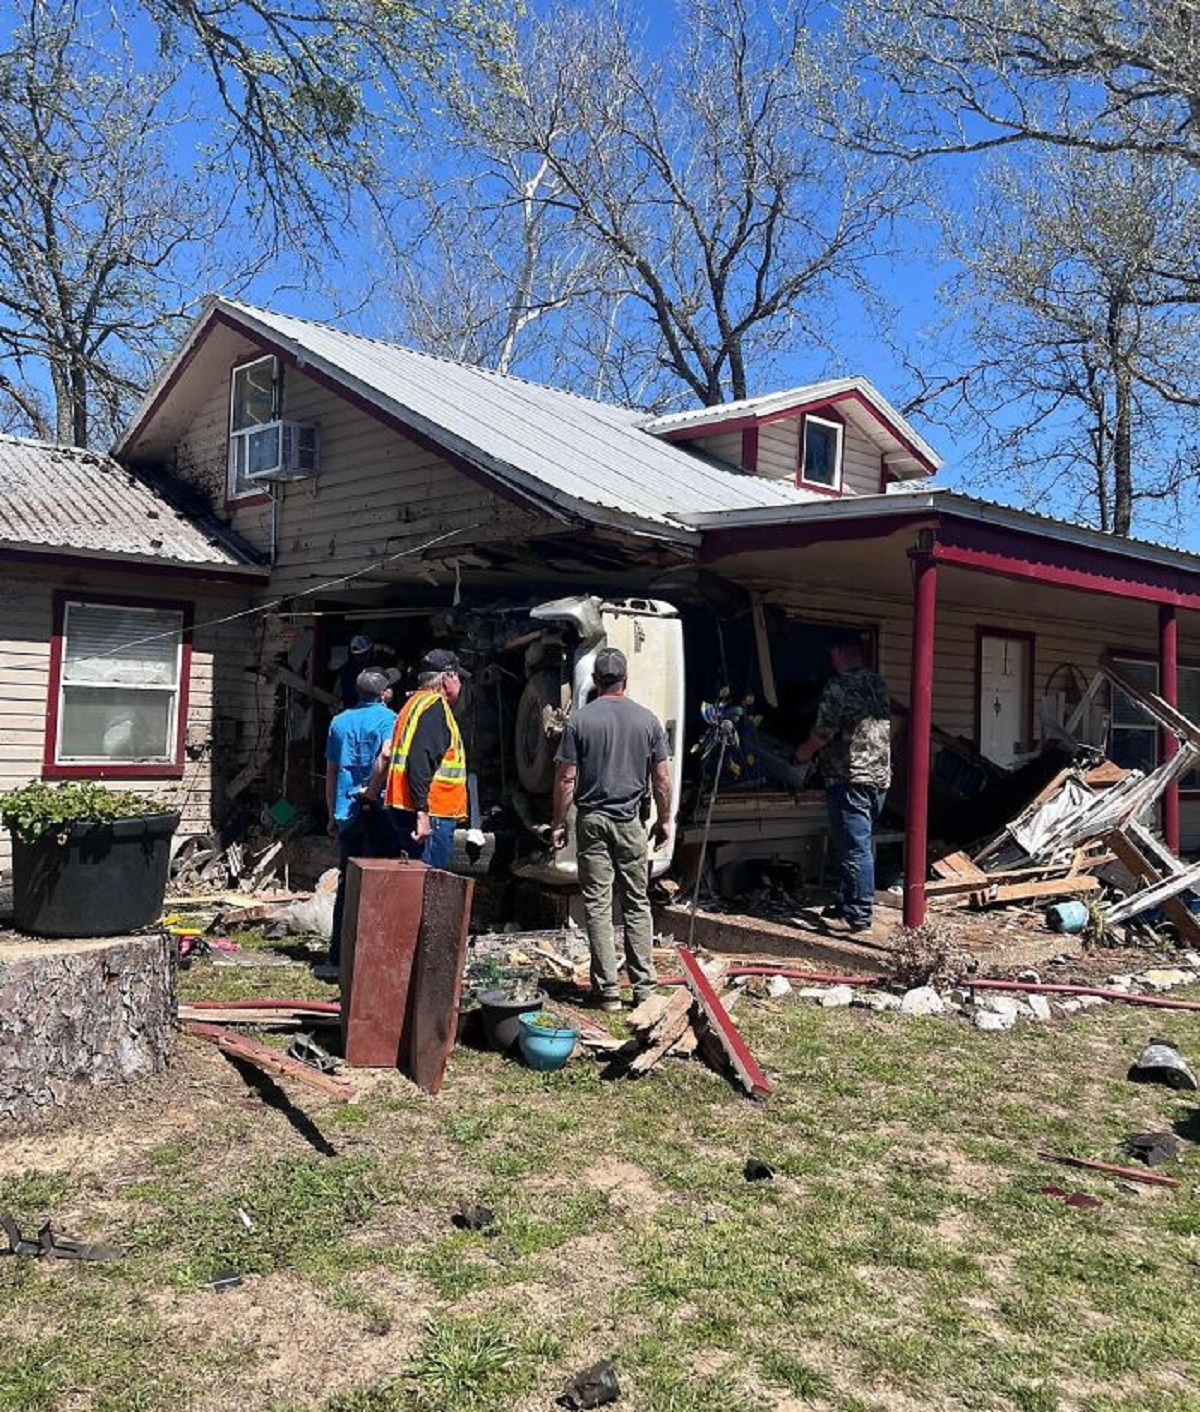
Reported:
(695, 1019)
(1067, 840)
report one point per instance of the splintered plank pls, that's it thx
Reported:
(958, 868)
(745, 1066)
(1135, 853)
(237, 1046)
(1160, 893)
(1033, 891)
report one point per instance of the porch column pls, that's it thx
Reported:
(920, 721)
(1168, 686)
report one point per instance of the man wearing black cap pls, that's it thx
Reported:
(356, 737)
(853, 735)
(612, 757)
(424, 765)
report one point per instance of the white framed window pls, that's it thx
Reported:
(255, 407)
(821, 453)
(1135, 742)
(121, 687)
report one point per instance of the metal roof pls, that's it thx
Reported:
(576, 454)
(55, 497)
(796, 398)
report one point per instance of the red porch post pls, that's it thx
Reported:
(920, 721)
(1168, 685)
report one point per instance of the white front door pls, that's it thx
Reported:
(1004, 696)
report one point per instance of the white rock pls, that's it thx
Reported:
(1000, 1004)
(1120, 982)
(1089, 1002)
(1070, 1007)
(778, 987)
(1162, 977)
(1029, 974)
(880, 1000)
(812, 992)
(994, 1020)
(924, 1000)
(1040, 1007)
(1192, 958)
(836, 997)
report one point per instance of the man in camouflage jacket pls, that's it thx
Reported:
(853, 735)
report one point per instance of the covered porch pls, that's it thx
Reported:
(989, 623)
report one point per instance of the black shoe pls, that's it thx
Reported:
(833, 913)
(856, 928)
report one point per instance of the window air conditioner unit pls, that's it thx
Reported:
(283, 451)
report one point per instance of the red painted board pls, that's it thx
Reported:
(744, 1063)
(384, 899)
(433, 996)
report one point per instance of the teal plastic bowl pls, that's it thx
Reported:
(544, 1048)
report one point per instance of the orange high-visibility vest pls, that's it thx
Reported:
(448, 788)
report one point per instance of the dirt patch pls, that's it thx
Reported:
(629, 1188)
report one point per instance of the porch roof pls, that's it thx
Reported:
(972, 533)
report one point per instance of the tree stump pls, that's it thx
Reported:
(76, 1015)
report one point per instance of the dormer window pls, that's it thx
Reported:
(821, 453)
(255, 407)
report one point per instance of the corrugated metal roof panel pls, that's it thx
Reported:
(559, 445)
(63, 497)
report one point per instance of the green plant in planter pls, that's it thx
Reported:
(37, 809)
(548, 1020)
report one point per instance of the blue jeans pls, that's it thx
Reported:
(854, 809)
(437, 850)
(363, 835)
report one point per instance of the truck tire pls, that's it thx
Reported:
(535, 752)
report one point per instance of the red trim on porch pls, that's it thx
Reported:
(983, 630)
(920, 725)
(51, 770)
(750, 449)
(1168, 686)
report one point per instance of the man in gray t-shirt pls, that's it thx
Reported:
(612, 757)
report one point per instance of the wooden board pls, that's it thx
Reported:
(745, 1066)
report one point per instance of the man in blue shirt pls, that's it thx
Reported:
(356, 736)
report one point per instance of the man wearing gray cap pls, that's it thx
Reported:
(356, 737)
(612, 757)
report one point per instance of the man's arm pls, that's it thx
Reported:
(565, 775)
(660, 783)
(825, 727)
(331, 776)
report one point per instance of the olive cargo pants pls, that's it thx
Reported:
(607, 851)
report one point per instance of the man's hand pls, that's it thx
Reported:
(660, 834)
(424, 828)
(558, 836)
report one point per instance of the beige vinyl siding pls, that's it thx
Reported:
(216, 678)
(860, 463)
(726, 447)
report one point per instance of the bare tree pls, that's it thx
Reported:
(675, 207)
(1084, 376)
(97, 234)
(954, 76)
(312, 92)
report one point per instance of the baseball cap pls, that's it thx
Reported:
(371, 684)
(611, 665)
(441, 659)
(361, 643)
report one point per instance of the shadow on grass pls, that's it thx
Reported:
(274, 1097)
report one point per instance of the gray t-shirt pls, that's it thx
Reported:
(614, 744)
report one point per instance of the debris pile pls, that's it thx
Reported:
(1084, 836)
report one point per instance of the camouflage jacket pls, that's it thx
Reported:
(854, 717)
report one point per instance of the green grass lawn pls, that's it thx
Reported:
(904, 1257)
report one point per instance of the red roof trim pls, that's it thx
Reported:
(51, 769)
(739, 423)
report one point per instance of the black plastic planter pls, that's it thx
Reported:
(102, 880)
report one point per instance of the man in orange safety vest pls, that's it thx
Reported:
(422, 771)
